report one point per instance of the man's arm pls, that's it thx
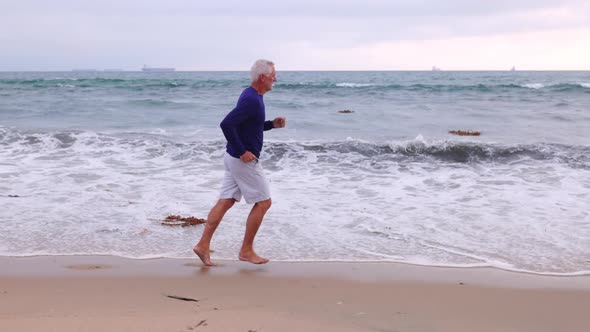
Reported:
(279, 122)
(268, 125)
(230, 125)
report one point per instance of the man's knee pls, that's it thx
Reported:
(226, 204)
(265, 204)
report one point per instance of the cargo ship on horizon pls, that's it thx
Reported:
(157, 69)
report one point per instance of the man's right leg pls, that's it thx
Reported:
(213, 220)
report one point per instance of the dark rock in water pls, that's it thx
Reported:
(345, 111)
(464, 132)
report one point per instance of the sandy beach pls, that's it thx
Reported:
(103, 293)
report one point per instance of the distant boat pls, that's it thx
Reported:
(435, 68)
(156, 69)
(513, 68)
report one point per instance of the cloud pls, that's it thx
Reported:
(62, 34)
(289, 8)
(546, 50)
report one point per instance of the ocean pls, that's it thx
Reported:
(91, 162)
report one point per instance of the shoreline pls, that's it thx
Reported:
(115, 266)
(581, 273)
(107, 293)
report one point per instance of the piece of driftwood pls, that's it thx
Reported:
(175, 220)
(464, 132)
(188, 299)
(345, 111)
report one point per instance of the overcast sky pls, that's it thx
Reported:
(296, 34)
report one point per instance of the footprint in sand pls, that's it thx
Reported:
(86, 267)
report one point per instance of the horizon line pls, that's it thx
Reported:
(91, 70)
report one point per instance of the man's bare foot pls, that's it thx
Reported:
(203, 255)
(250, 256)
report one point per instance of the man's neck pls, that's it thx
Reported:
(259, 88)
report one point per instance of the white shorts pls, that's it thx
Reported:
(246, 179)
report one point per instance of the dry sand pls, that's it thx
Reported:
(99, 293)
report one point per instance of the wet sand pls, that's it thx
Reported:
(104, 293)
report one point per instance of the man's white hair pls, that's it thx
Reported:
(261, 67)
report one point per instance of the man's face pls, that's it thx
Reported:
(270, 79)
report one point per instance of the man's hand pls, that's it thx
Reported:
(279, 122)
(248, 157)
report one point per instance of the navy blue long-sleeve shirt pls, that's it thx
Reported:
(243, 127)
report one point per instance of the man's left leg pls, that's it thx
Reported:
(254, 220)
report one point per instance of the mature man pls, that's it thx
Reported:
(243, 128)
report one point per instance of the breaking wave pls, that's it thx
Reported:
(576, 156)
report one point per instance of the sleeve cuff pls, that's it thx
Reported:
(268, 125)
